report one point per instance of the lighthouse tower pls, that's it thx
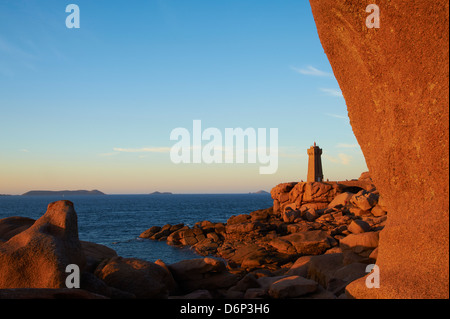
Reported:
(315, 173)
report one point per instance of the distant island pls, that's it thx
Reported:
(4, 195)
(161, 193)
(63, 193)
(260, 192)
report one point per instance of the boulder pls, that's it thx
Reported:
(296, 194)
(150, 232)
(280, 189)
(163, 233)
(95, 254)
(202, 273)
(320, 192)
(206, 246)
(345, 275)
(251, 256)
(300, 267)
(170, 281)
(313, 242)
(341, 200)
(322, 268)
(262, 258)
(292, 287)
(396, 79)
(364, 200)
(358, 226)
(378, 211)
(11, 226)
(362, 244)
(144, 279)
(37, 257)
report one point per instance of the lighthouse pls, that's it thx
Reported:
(315, 173)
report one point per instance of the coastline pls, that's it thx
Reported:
(263, 254)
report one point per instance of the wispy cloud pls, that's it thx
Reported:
(310, 70)
(332, 92)
(336, 116)
(143, 150)
(342, 158)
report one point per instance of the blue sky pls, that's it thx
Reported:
(73, 101)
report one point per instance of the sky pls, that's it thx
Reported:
(94, 107)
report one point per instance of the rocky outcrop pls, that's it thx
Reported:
(313, 242)
(321, 250)
(37, 256)
(293, 196)
(395, 83)
(34, 256)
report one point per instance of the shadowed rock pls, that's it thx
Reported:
(142, 278)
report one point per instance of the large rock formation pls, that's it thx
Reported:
(37, 256)
(395, 83)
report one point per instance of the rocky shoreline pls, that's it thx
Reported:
(316, 234)
(317, 238)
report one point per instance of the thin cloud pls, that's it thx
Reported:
(342, 158)
(143, 150)
(332, 92)
(310, 70)
(336, 116)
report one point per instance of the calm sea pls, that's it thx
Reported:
(116, 221)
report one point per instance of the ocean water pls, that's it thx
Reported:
(117, 221)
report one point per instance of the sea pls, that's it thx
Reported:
(116, 221)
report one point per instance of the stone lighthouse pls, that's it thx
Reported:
(315, 173)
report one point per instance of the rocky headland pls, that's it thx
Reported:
(317, 238)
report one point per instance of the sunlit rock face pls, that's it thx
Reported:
(395, 82)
